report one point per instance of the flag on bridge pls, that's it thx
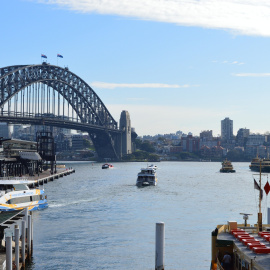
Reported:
(43, 56)
(59, 55)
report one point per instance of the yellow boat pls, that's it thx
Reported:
(227, 167)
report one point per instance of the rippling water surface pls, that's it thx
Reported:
(99, 219)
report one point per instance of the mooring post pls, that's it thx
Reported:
(25, 218)
(17, 246)
(32, 234)
(160, 235)
(29, 234)
(23, 244)
(8, 250)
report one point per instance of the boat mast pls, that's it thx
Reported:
(260, 201)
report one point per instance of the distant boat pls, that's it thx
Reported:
(153, 166)
(258, 164)
(107, 166)
(227, 167)
(147, 177)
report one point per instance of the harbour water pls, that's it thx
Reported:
(99, 219)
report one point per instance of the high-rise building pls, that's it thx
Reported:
(226, 129)
(242, 136)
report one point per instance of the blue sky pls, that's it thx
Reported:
(173, 64)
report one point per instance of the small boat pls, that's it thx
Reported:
(107, 166)
(242, 246)
(227, 167)
(153, 166)
(16, 195)
(258, 164)
(147, 177)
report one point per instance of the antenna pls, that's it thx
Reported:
(245, 217)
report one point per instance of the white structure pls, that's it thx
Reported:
(256, 140)
(226, 129)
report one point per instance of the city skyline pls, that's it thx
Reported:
(173, 65)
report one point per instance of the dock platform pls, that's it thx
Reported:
(8, 220)
(47, 176)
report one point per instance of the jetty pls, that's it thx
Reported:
(47, 176)
(35, 162)
(16, 227)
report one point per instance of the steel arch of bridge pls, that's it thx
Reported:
(80, 96)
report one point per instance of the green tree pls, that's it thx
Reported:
(148, 147)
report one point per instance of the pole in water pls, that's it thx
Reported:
(160, 242)
(8, 250)
(17, 246)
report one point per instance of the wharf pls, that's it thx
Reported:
(8, 220)
(46, 176)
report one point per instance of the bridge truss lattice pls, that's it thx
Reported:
(54, 94)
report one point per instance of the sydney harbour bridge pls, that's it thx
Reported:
(53, 96)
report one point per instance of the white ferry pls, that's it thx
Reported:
(147, 177)
(16, 195)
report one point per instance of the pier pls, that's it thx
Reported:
(47, 176)
(16, 227)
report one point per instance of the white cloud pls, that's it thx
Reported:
(229, 62)
(246, 17)
(136, 85)
(251, 74)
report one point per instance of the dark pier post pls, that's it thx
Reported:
(29, 236)
(9, 250)
(17, 247)
(23, 243)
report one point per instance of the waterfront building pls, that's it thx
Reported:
(77, 141)
(242, 136)
(227, 129)
(190, 144)
(63, 142)
(206, 139)
(4, 130)
(17, 131)
(255, 140)
(176, 149)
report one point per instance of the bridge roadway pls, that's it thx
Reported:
(50, 121)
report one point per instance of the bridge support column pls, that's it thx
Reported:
(125, 127)
(105, 144)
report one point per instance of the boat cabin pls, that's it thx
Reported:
(248, 247)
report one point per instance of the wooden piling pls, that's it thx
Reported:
(23, 243)
(17, 246)
(29, 240)
(8, 250)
